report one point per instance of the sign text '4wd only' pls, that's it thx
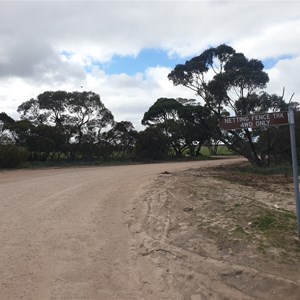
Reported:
(255, 121)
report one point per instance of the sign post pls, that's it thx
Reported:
(266, 120)
(295, 165)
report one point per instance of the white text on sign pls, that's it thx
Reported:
(254, 121)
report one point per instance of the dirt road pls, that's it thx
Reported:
(64, 233)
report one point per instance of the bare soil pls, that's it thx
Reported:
(161, 231)
(212, 233)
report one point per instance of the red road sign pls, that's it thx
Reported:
(255, 121)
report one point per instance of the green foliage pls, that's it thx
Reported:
(6, 119)
(151, 144)
(11, 156)
(22, 131)
(236, 86)
(5, 122)
(78, 115)
(162, 110)
(184, 123)
(121, 138)
(63, 124)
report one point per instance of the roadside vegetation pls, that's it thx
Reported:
(76, 127)
(250, 217)
(269, 226)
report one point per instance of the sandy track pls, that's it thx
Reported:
(63, 233)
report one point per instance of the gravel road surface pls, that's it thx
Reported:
(63, 232)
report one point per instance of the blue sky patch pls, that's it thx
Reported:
(271, 62)
(145, 59)
(152, 57)
(65, 53)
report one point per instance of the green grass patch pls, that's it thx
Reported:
(278, 221)
(276, 229)
(221, 150)
(271, 231)
(285, 169)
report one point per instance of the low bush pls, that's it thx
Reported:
(11, 156)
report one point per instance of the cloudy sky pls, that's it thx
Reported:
(124, 50)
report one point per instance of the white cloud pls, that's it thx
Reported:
(128, 97)
(100, 29)
(49, 45)
(273, 41)
(285, 74)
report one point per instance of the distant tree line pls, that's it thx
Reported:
(76, 126)
(58, 125)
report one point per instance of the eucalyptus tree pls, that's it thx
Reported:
(87, 114)
(197, 123)
(6, 119)
(76, 113)
(229, 83)
(78, 117)
(5, 134)
(183, 122)
(151, 144)
(122, 137)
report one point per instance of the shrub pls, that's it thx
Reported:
(151, 144)
(11, 156)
